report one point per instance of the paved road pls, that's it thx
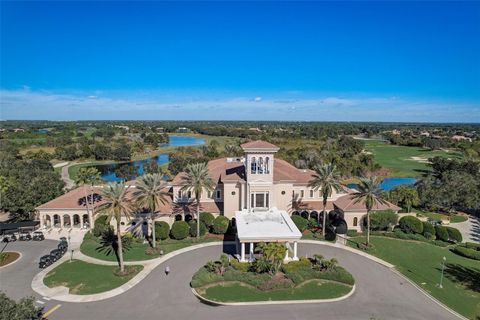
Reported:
(470, 229)
(69, 183)
(380, 294)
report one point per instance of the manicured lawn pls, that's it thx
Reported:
(398, 158)
(73, 170)
(87, 278)
(137, 252)
(236, 292)
(439, 216)
(422, 263)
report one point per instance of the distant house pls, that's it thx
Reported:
(183, 130)
(461, 138)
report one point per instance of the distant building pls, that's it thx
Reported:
(461, 138)
(183, 130)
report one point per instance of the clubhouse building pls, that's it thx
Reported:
(260, 191)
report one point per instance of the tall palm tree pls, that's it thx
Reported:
(197, 178)
(370, 194)
(115, 205)
(83, 178)
(327, 179)
(95, 178)
(150, 193)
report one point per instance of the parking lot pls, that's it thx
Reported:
(16, 278)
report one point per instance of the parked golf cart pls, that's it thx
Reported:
(24, 236)
(38, 236)
(56, 254)
(10, 237)
(45, 261)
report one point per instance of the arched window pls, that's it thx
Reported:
(254, 166)
(267, 165)
(355, 221)
(260, 165)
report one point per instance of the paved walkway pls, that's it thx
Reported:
(470, 229)
(69, 183)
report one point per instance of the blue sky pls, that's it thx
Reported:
(325, 61)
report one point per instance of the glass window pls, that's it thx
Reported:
(355, 221)
(267, 165)
(189, 194)
(219, 194)
(254, 165)
(260, 165)
(267, 200)
(259, 200)
(302, 193)
(252, 202)
(311, 193)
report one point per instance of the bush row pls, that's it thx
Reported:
(181, 229)
(412, 225)
(467, 252)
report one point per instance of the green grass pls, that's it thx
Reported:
(398, 158)
(73, 170)
(86, 278)
(456, 218)
(137, 252)
(422, 263)
(315, 289)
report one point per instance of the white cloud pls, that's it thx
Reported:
(257, 99)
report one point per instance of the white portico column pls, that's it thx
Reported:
(242, 256)
(295, 251)
(286, 252)
(251, 250)
(61, 220)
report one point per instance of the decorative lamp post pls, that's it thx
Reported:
(441, 277)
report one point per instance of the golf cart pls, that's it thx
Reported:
(55, 254)
(24, 236)
(38, 236)
(45, 261)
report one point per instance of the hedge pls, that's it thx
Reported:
(162, 230)
(473, 245)
(300, 222)
(352, 233)
(411, 224)
(467, 252)
(442, 233)
(100, 225)
(180, 230)
(428, 230)
(382, 220)
(240, 266)
(220, 225)
(193, 228)
(207, 218)
(294, 266)
(454, 234)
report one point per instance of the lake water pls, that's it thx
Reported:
(108, 170)
(390, 183)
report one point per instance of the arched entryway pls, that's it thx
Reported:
(67, 222)
(48, 221)
(86, 223)
(56, 221)
(76, 221)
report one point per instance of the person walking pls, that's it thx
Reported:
(167, 270)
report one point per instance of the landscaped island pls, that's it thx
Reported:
(269, 279)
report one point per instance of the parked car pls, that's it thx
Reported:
(11, 237)
(38, 236)
(45, 261)
(24, 236)
(63, 247)
(56, 254)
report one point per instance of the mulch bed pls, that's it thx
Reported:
(11, 257)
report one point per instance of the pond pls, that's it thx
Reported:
(390, 183)
(108, 170)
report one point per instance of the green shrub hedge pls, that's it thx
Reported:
(180, 230)
(220, 225)
(428, 230)
(100, 225)
(441, 233)
(352, 233)
(454, 234)
(410, 224)
(294, 266)
(240, 266)
(207, 218)
(193, 228)
(162, 230)
(382, 220)
(467, 252)
(300, 222)
(473, 245)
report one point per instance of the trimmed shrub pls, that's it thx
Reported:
(294, 266)
(352, 233)
(240, 266)
(207, 218)
(180, 230)
(382, 220)
(100, 225)
(472, 245)
(300, 222)
(441, 232)
(162, 230)
(193, 228)
(454, 235)
(428, 230)
(220, 225)
(410, 224)
(466, 252)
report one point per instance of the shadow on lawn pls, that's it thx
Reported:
(469, 277)
(109, 245)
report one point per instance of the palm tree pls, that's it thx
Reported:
(273, 253)
(326, 178)
(83, 178)
(197, 178)
(150, 193)
(370, 194)
(116, 205)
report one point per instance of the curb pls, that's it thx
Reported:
(276, 302)
(13, 262)
(61, 293)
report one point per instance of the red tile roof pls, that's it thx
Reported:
(259, 144)
(311, 205)
(349, 203)
(74, 199)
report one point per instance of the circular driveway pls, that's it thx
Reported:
(380, 294)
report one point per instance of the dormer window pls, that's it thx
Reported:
(260, 165)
